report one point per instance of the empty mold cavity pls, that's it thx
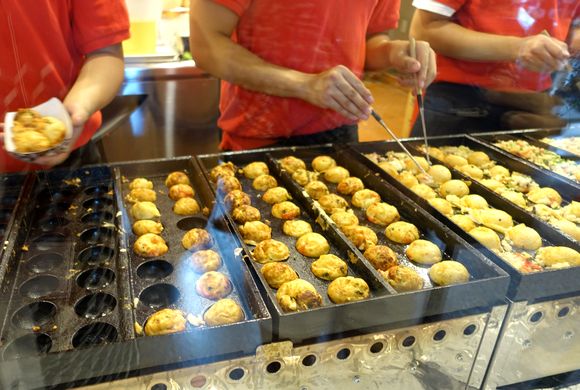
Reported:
(159, 295)
(28, 345)
(186, 224)
(96, 235)
(97, 217)
(96, 254)
(44, 262)
(97, 190)
(154, 270)
(39, 286)
(95, 278)
(47, 241)
(94, 334)
(52, 223)
(95, 305)
(34, 314)
(97, 203)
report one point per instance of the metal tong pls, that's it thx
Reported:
(382, 123)
(413, 52)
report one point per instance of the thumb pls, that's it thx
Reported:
(408, 65)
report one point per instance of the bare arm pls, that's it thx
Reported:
(538, 52)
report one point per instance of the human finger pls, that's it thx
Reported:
(349, 98)
(358, 85)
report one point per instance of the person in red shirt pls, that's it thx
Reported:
(69, 49)
(291, 70)
(495, 59)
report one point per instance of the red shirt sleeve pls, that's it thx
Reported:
(385, 16)
(99, 23)
(236, 6)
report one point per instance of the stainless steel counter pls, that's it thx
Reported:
(178, 116)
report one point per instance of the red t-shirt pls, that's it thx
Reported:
(43, 44)
(502, 17)
(308, 36)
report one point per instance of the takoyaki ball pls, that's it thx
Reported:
(478, 158)
(474, 201)
(365, 198)
(545, 195)
(408, 179)
(437, 153)
(402, 278)
(499, 172)
(350, 185)
(270, 250)
(255, 231)
(332, 203)
(276, 274)
(303, 177)
(264, 182)
(448, 272)
(176, 178)
(296, 228)
(495, 219)
(298, 295)
(515, 197)
(361, 236)
(186, 206)
(322, 163)
(255, 169)
(347, 289)
(425, 178)
(224, 169)
(486, 237)
(141, 195)
(336, 174)
(316, 189)
(329, 267)
(464, 222)
(276, 195)
(402, 232)
(524, 237)
(472, 171)
(424, 191)
(292, 164)
(145, 226)
(439, 173)
(381, 257)
(150, 245)
(494, 185)
(228, 184)
(312, 245)
(196, 239)
(165, 321)
(213, 285)
(236, 198)
(224, 311)
(441, 205)
(550, 256)
(344, 218)
(382, 214)
(423, 252)
(246, 213)
(388, 167)
(568, 227)
(454, 187)
(179, 191)
(455, 161)
(285, 210)
(412, 167)
(205, 261)
(141, 183)
(145, 210)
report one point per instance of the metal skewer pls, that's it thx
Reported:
(382, 123)
(413, 53)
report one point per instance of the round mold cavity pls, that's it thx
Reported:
(309, 360)
(95, 305)
(408, 342)
(377, 347)
(198, 381)
(154, 270)
(439, 336)
(34, 314)
(563, 312)
(39, 286)
(469, 330)
(189, 223)
(96, 254)
(97, 203)
(343, 353)
(56, 195)
(97, 217)
(94, 334)
(273, 367)
(96, 235)
(28, 345)
(47, 241)
(52, 223)
(97, 190)
(159, 295)
(536, 317)
(44, 262)
(95, 278)
(237, 374)
(159, 386)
